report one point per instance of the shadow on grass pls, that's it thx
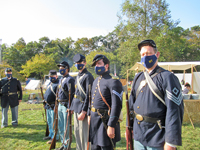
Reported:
(25, 132)
(196, 124)
(28, 126)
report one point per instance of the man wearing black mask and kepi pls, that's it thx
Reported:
(10, 87)
(49, 100)
(105, 107)
(80, 102)
(66, 84)
(157, 103)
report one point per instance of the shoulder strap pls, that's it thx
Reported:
(143, 82)
(66, 94)
(52, 89)
(5, 84)
(154, 88)
(103, 97)
(82, 92)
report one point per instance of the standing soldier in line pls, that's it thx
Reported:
(105, 108)
(63, 106)
(49, 100)
(80, 102)
(157, 103)
(10, 87)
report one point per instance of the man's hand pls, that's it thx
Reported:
(69, 111)
(111, 132)
(89, 120)
(20, 100)
(168, 147)
(81, 116)
(127, 134)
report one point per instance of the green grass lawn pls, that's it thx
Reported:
(31, 130)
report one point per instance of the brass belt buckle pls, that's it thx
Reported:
(75, 96)
(93, 109)
(139, 117)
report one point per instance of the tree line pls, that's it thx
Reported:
(138, 20)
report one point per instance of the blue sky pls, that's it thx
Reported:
(33, 19)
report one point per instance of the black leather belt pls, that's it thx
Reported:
(62, 100)
(100, 110)
(49, 102)
(10, 93)
(149, 119)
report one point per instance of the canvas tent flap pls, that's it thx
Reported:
(169, 65)
(33, 85)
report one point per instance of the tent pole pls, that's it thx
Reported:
(189, 115)
(192, 78)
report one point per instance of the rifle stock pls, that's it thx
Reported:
(129, 140)
(55, 124)
(47, 127)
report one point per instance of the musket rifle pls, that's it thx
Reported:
(70, 120)
(55, 124)
(89, 90)
(129, 140)
(47, 127)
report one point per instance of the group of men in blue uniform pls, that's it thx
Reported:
(95, 120)
(155, 103)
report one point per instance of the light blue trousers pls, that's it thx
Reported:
(139, 146)
(50, 119)
(62, 121)
(14, 111)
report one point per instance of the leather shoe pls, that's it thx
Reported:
(61, 148)
(47, 138)
(49, 142)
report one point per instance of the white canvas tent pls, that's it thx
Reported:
(195, 77)
(187, 78)
(33, 85)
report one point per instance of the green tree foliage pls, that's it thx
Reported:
(109, 43)
(139, 20)
(84, 46)
(13, 57)
(39, 65)
(20, 52)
